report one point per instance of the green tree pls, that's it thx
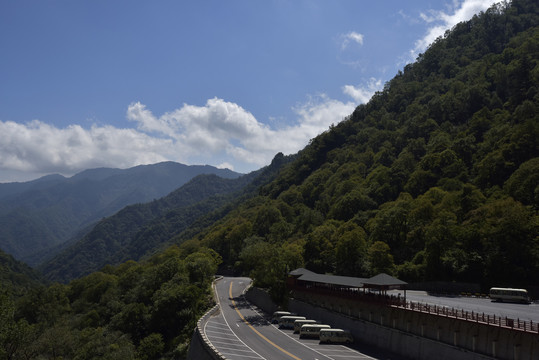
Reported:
(151, 347)
(523, 185)
(380, 258)
(318, 249)
(202, 265)
(15, 336)
(351, 253)
(507, 232)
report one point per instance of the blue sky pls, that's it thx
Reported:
(87, 84)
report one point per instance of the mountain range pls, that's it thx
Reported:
(38, 217)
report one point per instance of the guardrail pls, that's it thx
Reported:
(476, 317)
(211, 350)
(399, 302)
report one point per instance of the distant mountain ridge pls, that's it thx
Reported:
(39, 215)
(140, 230)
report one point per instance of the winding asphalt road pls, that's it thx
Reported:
(242, 332)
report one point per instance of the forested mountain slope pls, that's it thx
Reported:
(143, 310)
(16, 277)
(37, 216)
(436, 178)
(142, 229)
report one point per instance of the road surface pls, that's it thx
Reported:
(242, 332)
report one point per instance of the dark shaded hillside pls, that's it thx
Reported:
(40, 215)
(143, 310)
(140, 230)
(434, 179)
(16, 278)
(14, 188)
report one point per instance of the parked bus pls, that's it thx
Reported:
(312, 330)
(287, 322)
(299, 323)
(278, 315)
(335, 336)
(509, 295)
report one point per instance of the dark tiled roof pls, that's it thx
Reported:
(299, 272)
(332, 279)
(384, 280)
(380, 280)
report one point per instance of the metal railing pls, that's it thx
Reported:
(399, 302)
(472, 316)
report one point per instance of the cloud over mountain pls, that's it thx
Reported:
(219, 133)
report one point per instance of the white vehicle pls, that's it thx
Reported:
(278, 314)
(335, 336)
(287, 322)
(299, 323)
(509, 295)
(312, 330)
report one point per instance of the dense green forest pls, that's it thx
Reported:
(435, 178)
(131, 311)
(134, 310)
(17, 277)
(141, 230)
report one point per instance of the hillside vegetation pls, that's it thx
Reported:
(38, 217)
(16, 277)
(132, 311)
(141, 230)
(436, 178)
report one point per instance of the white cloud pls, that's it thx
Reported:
(362, 94)
(441, 21)
(225, 165)
(39, 148)
(353, 37)
(220, 133)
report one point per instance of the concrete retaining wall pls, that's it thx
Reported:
(410, 333)
(261, 299)
(200, 348)
(401, 342)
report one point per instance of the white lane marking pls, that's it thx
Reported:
(224, 347)
(224, 318)
(237, 355)
(299, 342)
(355, 352)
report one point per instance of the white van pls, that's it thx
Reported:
(299, 323)
(278, 314)
(335, 336)
(312, 330)
(287, 322)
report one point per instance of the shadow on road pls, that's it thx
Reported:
(255, 320)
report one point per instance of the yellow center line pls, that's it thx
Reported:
(256, 331)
